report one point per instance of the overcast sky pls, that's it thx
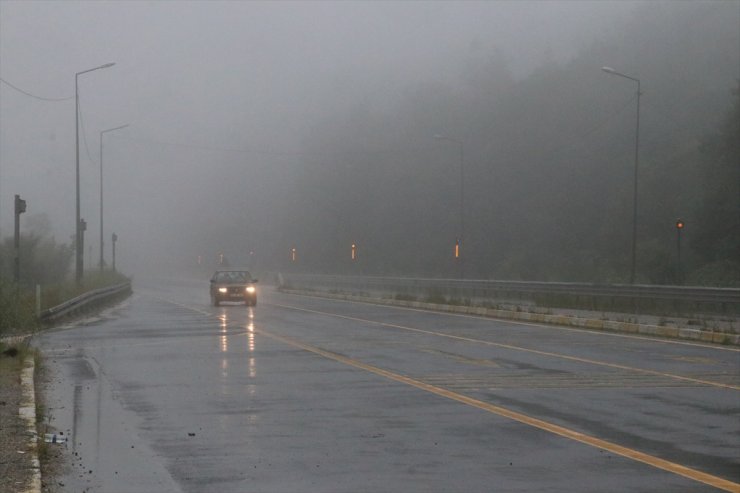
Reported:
(194, 76)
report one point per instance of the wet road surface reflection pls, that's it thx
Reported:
(171, 394)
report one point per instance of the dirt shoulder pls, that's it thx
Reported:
(16, 452)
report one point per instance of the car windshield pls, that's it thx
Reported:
(235, 276)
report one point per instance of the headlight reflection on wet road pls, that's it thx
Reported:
(224, 345)
(251, 346)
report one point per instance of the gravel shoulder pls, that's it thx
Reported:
(16, 452)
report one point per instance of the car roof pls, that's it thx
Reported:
(240, 273)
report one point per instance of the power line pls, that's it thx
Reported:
(33, 95)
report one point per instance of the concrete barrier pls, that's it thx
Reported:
(666, 331)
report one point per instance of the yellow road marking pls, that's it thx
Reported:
(523, 349)
(592, 441)
(650, 460)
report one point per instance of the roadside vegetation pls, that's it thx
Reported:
(44, 263)
(18, 304)
(549, 163)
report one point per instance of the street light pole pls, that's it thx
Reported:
(20, 208)
(458, 244)
(101, 190)
(78, 230)
(679, 227)
(611, 71)
(114, 239)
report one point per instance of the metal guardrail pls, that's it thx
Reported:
(84, 301)
(616, 297)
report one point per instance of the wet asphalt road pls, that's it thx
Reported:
(166, 393)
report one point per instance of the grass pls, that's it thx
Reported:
(56, 294)
(18, 303)
(436, 298)
(404, 297)
(17, 311)
(20, 350)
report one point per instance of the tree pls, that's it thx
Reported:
(717, 236)
(43, 260)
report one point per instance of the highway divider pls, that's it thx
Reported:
(626, 298)
(570, 304)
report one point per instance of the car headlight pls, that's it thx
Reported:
(223, 290)
(251, 289)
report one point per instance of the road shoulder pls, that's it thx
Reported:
(19, 462)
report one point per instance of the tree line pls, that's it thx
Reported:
(548, 165)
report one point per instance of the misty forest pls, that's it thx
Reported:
(548, 180)
(532, 173)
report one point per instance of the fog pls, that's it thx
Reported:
(258, 127)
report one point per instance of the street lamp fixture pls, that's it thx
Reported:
(101, 190)
(611, 71)
(78, 230)
(460, 238)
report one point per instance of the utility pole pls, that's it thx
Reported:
(114, 239)
(78, 221)
(82, 227)
(611, 71)
(679, 227)
(101, 263)
(20, 208)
